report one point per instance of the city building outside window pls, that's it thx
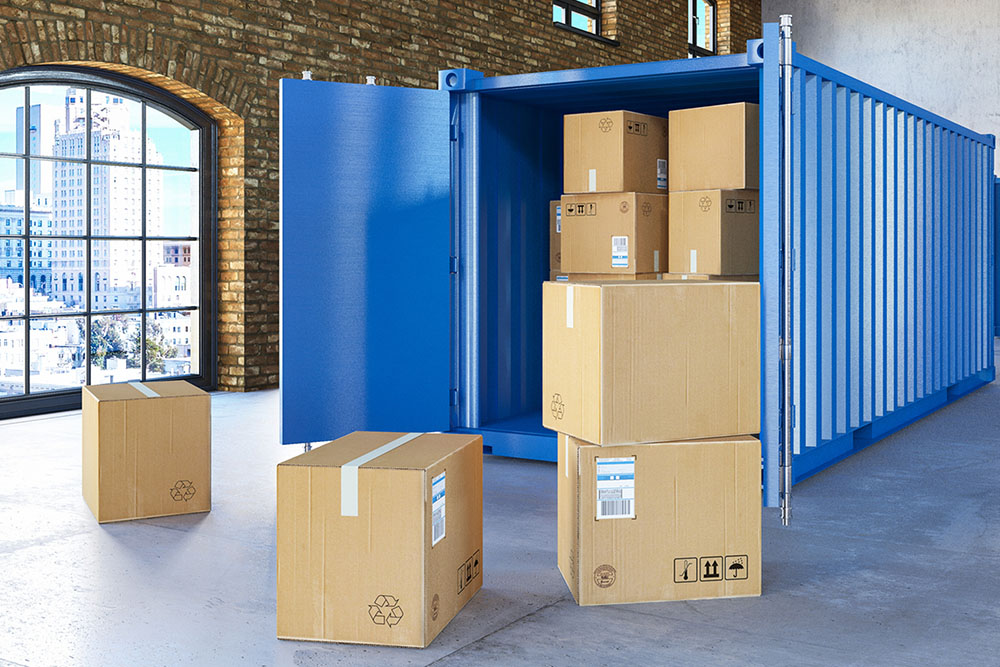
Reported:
(582, 15)
(117, 181)
(701, 28)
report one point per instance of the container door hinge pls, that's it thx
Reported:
(453, 265)
(454, 397)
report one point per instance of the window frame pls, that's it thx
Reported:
(592, 12)
(695, 51)
(207, 168)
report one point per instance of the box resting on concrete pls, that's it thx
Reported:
(147, 450)
(651, 361)
(380, 537)
(665, 521)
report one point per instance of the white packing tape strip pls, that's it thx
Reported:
(349, 473)
(656, 261)
(569, 306)
(694, 261)
(138, 386)
(566, 454)
(592, 180)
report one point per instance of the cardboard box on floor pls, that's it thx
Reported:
(622, 538)
(715, 147)
(147, 450)
(614, 151)
(600, 277)
(714, 232)
(380, 537)
(651, 361)
(555, 235)
(614, 233)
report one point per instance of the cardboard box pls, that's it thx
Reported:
(715, 148)
(619, 233)
(614, 151)
(705, 276)
(600, 277)
(380, 537)
(653, 522)
(147, 450)
(714, 232)
(555, 235)
(651, 361)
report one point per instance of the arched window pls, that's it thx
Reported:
(66, 134)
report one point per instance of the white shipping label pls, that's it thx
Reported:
(437, 509)
(661, 174)
(694, 261)
(592, 180)
(619, 252)
(616, 488)
(558, 219)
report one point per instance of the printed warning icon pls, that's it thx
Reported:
(685, 570)
(736, 567)
(385, 611)
(711, 568)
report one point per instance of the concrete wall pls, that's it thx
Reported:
(942, 56)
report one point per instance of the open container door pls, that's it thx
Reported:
(365, 329)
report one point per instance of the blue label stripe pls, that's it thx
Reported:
(437, 496)
(613, 477)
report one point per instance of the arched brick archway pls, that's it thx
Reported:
(222, 92)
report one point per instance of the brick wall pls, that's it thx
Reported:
(226, 56)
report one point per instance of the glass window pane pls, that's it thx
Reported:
(116, 127)
(11, 111)
(558, 14)
(58, 267)
(171, 142)
(116, 267)
(171, 203)
(58, 354)
(172, 344)
(701, 27)
(582, 22)
(11, 357)
(11, 277)
(114, 348)
(171, 274)
(116, 206)
(58, 201)
(57, 121)
(11, 196)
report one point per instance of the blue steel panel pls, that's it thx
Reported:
(994, 215)
(365, 277)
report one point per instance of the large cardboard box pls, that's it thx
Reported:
(600, 277)
(614, 151)
(380, 537)
(666, 521)
(651, 361)
(714, 232)
(619, 233)
(147, 450)
(715, 148)
(555, 235)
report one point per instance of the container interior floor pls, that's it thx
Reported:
(521, 146)
(891, 559)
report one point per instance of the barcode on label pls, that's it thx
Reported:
(615, 488)
(437, 509)
(619, 251)
(611, 509)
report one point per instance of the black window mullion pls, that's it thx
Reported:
(88, 278)
(570, 6)
(143, 304)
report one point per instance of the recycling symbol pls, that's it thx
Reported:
(385, 611)
(183, 490)
(647, 208)
(606, 124)
(705, 203)
(558, 407)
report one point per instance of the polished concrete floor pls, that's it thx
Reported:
(893, 558)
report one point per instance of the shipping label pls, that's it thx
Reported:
(616, 488)
(619, 252)
(558, 219)
(437, 508)
(661, 174)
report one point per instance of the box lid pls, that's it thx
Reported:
(418, 453)
(127, 391)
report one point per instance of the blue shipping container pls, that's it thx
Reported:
(414, 241)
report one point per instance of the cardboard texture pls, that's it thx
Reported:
(555, 235)
(147, 450)
(696, 531)
(387, 575)
(714, 232)
(600, 277)
(616, 233)
(705, 276)
(651, 361)
(614, 151)
(715, 148)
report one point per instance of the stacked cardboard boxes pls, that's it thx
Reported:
(612, 219)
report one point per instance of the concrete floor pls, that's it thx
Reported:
(893, 558)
